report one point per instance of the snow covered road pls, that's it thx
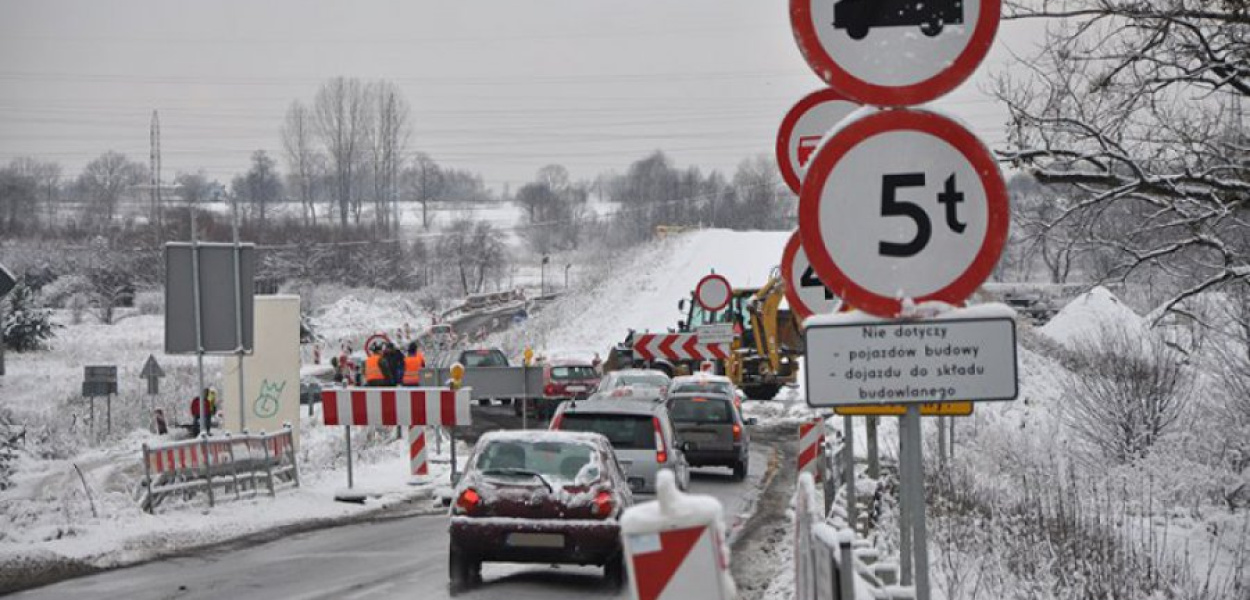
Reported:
(395, 558)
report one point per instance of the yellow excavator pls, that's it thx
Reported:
(766, 346)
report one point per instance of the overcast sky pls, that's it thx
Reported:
(501, 87)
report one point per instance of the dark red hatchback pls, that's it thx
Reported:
(538, 497)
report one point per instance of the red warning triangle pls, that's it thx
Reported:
(654, 570)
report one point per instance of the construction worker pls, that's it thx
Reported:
(375, 373)
(393, 360)
(413, 363)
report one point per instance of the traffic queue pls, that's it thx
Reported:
(556, 496)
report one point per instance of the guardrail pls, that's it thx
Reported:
(830, 563)
(231, 462)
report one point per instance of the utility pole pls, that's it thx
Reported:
(158, 209)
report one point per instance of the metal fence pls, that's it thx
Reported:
(830, 562)
(231, 463)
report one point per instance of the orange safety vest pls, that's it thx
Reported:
(412, 369)
(373, 369)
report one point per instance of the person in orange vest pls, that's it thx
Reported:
(413, 363)
(375, 373)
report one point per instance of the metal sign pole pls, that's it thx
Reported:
(874, 454)
(199, 325)
(915, 483)
(451, 433)
(108, 411)
(904, 505)
(848, 452)
(1, 335)
(525, 396)
(347, 435)
(941, 422)
(238, 311)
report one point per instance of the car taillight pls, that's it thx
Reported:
(737, 432)
(550, 390)
(660, 455)
(468, 501)
(555, 423)
(602, 506)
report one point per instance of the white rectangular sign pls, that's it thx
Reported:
(715, 333)
(271, 372)
(905, 362)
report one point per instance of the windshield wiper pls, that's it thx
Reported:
(513, 471)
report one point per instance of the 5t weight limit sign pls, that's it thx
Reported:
(903, 204)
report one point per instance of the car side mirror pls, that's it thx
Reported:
(752, 421)
(686, 446)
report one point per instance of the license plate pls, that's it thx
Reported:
(576, 388)
(536, 540)
(700, 436)
(636, 484)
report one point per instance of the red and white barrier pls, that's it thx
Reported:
(403, 406)
(678, 346)
(418, 464)
(675, 546)
(811, 442)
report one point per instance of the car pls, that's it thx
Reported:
(563, 379)
(706, 382)
(712, 431)
(634, 378)
(640, 432)
(538, 497)
(483, 357)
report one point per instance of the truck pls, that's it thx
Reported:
(765, 348)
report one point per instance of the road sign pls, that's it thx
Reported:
(805, 292)
(894, 52)
(713, 292)
(937, 227)
(104, 374)
(679, 346)
(802, 129)
(153, 373)
(928, 409)
(7, 281)
(911, 362)
(715, 333)
(219, 330)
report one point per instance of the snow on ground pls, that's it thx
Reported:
(1090, 311)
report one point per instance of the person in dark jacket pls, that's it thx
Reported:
(394, 360)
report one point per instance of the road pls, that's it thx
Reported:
(397, 558)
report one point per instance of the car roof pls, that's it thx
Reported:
(701, 377)
(708, 394)
(569, 362)
(624, 406)
(542, 435)
(639, 372)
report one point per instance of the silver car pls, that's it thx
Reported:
(640, 431)
(636, 378)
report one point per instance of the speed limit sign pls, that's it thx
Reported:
(903, 204)
(805, 292)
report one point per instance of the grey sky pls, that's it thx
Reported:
(501, 87)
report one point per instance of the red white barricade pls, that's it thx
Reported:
(677, 346)
(811, 444)
(403, 406)
(675, 547)
(417, 459)
(200, 464)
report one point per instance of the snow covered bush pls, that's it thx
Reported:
(10, 435)
(1125, 392)
(26, 326)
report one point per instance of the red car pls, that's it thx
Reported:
(538, 497)
(563, 379)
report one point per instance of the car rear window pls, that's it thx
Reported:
(556, 461)
(657, 381)
(484, 358)
(573, 373)
(626, 432)
(701, 410)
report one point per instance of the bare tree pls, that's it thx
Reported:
(259, 187)
(18, 200)
(304, 163)
(1126, 391)
(341, 111)
(390, 135)
(1138, 106)
(474, 249)
(47, 176)
(104, 180)
(194, 188)
(425, 182)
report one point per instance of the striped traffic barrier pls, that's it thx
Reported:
(811, 439)
(417, 460)
(403, 406)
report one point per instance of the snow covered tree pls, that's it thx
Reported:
(26, 326)
(1137, 105)
(106, 179)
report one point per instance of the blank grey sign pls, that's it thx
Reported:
(217, 305)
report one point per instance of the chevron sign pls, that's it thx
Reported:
(677, 346)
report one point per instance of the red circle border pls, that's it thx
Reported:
(699, 297)
(797, 306)
(998, 208)
(789, 172)
(858, 90)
